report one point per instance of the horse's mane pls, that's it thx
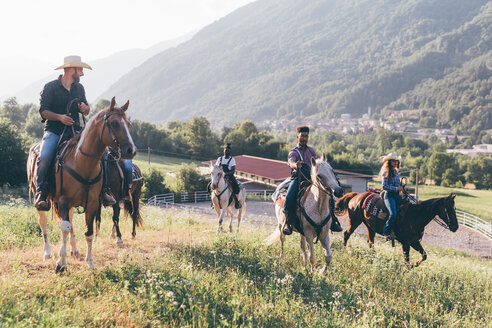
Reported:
(71, 145)
(424, 207)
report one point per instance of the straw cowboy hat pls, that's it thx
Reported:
(391, 156)
(73, 61)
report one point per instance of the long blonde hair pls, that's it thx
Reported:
(387, 170)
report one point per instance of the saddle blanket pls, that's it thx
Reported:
(374, 205)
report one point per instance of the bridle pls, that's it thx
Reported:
(219, 176)
(111, 134)
(443, 223)
(318, 183)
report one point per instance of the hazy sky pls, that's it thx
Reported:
(35, 35)
(48, 30)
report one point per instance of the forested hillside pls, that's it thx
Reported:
(297, 58)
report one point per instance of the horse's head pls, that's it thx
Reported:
(447, 212)
(322, 172)
(216, 173)
(115, 132)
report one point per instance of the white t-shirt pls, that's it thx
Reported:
(225, 160)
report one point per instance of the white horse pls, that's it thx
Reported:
(314, 213)
(221, 194)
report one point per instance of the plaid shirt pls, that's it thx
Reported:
(391, 183)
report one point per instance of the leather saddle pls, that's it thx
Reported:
(375, 207)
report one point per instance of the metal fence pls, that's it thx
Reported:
(475, 223)
(464, 218)
(163, 200)
(259, 194)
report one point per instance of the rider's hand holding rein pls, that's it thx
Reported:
(84, 109)
(65, 119)
(295, 165)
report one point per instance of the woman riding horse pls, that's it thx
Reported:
(391, 195)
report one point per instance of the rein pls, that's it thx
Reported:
(317, 227)
(442, 223)
(318, 185)
(223, 191)
(88, 183)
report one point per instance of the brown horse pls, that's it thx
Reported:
(409, 229)
(115, 184)
(78, 175)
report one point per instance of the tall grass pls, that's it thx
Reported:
(180, 273)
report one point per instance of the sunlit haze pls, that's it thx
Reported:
(36, 35)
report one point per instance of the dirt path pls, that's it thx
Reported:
(465, 239)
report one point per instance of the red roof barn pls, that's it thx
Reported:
(268, 173)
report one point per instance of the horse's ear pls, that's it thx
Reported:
(453, 196)
(113, 102)
(125, 106)
(313, 161)
(323, 157)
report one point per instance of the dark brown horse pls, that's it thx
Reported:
(409, 229)
(115, 184)
(78, 175)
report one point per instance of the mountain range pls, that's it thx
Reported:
(314, 59)
(104, 73)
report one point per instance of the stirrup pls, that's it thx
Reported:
(107, 200)
(40, 202)
(287, 229)
(335, 225)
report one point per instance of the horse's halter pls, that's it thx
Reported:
(219, 175)
(318, 183)
(445, 222)
(111, 134)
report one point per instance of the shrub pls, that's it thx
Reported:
(154, 184)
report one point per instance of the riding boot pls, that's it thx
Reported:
(391, 236)
(287, 228)
(127, 193)
(335, 224)
(237, 205)
(107, 200)
(40, 201)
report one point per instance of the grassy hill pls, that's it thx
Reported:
(179, 273)
(473, 201)
(164, 164)
(300, 59)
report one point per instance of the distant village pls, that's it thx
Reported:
(355, 125)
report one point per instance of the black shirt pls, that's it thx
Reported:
(56, 98)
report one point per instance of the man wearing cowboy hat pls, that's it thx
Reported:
(56, 96)
(391, 185)
(299, 160)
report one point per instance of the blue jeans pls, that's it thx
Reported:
(46, 156)
(127, 168)
(291, 197)
(390, 200)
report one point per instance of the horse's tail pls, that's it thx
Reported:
(273, 237)
(341, 205)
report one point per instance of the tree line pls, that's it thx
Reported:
(20, 127)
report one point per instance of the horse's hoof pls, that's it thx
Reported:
(119, 242)
(59, 269)
(47, 256)
(75, 254)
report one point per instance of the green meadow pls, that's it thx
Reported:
(179, 272)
